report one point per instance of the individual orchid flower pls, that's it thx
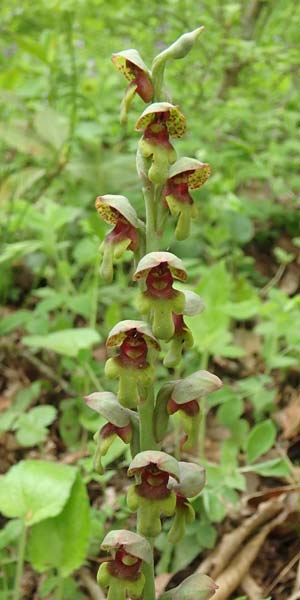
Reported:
(131, 65)
(122, 574)
(151, 497)
(196, 587)
(122, 423)
(186, 174)
(182, 338)
(117, 210)
(183, 396)
(131, 366)
(159, 122)
(160, 300)
(191, 483)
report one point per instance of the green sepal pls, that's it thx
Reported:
(102, 447)
(126, 102)
(184, 515)
(132, 381)
(135, 440)
(161, 415)
(119, 588)
(107, 269)
(185, 213)
(181, 341)
(109, 252)
(160, 311)
(149, 511)
(191, 429)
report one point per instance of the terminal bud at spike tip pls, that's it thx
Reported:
(160, 300)
(118, 211)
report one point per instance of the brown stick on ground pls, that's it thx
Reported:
(219, 559)
(89, 583)
(231, 578)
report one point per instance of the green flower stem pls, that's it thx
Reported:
(151, 235)
(20, 564)
(148, 570)
(146, 410)
(203, 408)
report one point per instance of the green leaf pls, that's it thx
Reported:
(32, 426)
(34, 490)
(206, 535)
(18, 249)
(277, 467)
(67, 342)
(260, 439)
(10, 533)
(51, 127)
(61, 542)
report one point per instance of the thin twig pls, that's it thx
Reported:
(89, 583)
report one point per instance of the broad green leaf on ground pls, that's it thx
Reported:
(61, 542)
(277, 467)
(67, 342)
(32, 426)
(34, 490)
(260, 439)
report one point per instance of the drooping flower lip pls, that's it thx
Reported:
(155, 259)
(153, 115)
(131, 65)
(132, 543)
(129, 329)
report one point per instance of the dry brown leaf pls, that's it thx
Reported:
(161, 582)
(231, 578)
(231, 542)
(289, 418)
(251, 588)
